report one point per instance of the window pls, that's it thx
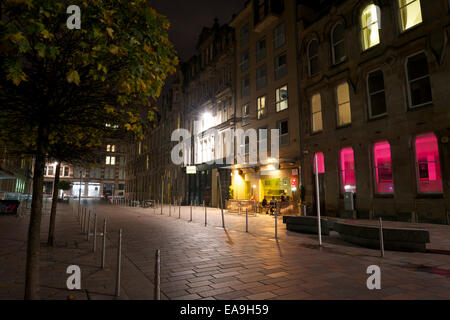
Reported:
(245, 114)
(410, 13)
(261, 107)
(281, 98)
(338, 43)
(108, 148)
(370, 26)
(245, 61)
(66, 171)
(50, 170)
(260, 50)
(283, 126)
(348, 179)
(247, 145)
(224, 112)
(419, 86)
(384, 181)
(428, 164)
(113, 148)
(280, 66)
(262, 139)
(245, 86)
(261, 77)
(343, 101)
(313, 57)
(377, 95)
(244, 35)
(316, 110)
(108, 160)
(279, 37)
(320, 162)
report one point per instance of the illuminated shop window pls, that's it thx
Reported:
(370, 27)
(320, 162)
(427, 164)
(348, 178)
(410, 13)
(316, 110)
(383, 167)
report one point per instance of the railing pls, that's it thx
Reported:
(287, 208)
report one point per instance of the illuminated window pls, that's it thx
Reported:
(383, 167)
(428, 164)
(338, 43)
(377, 96)
(410, 13)
(348, 179)
(108, 160)
(316, 110)
(282, 98)
(343, 101)
(108, 148)
(113, 148)
(370, 26)
(261, 107)
(320, 162)
(313, 57)
(419, 86)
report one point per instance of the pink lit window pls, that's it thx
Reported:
(427, 163)
(320, 162)
(348, 179)
(383, 167)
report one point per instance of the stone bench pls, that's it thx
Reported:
(306, 225)
(396, 239)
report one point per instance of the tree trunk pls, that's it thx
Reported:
(34, 229)
(51, 228)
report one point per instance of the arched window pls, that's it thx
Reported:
(382, 161)
(410, 13)
(370, 26)
(338, 43)
(313, 57)
(428, 165)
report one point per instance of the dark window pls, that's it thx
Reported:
(261, 77)
(260, 50)
(313, 57)
(338, 43)
(244, 35)
(280, 66)
(245, 61)
(377, 95)
(245, 86)
(283, 126)
(279, 37)
(419, 80)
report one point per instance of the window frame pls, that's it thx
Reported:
(334, 44)
(369, 95)
(416, 165)
(258, 69)
(337, 105)
(286, 134)
(277, 67)
(278, 102)
(400, 20)
(315, 56)
(258, 51)
(313, 113)
(408, 82)
(261, 112)
(362, 38)
(341, 180)
(374, 170)
(275, 37)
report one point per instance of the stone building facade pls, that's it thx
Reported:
(374, 77)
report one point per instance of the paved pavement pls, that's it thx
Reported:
(199, 262)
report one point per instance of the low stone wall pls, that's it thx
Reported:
(396, 239)
(306, 225)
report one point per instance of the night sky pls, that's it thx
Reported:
(188, 17)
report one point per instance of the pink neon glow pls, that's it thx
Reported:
(383, 167)
(428, 163)
(348, 170)
(320, 162)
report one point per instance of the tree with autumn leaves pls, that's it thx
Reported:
(56, 80)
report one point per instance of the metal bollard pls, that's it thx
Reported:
(191, 212)
(119, 258)
(88, 226)
(157, 293)
(94, 245)
(104, 244)
(381, 238)
(246, 220)
(204, 204)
